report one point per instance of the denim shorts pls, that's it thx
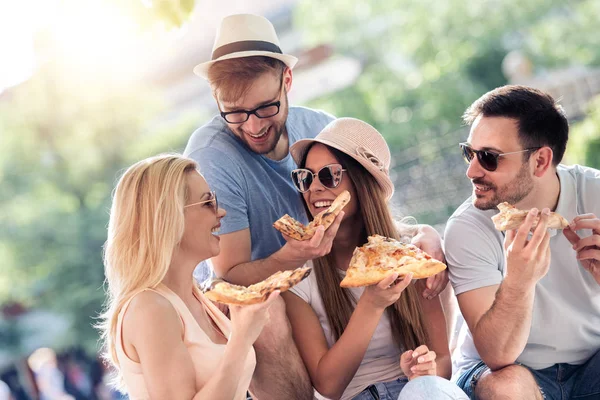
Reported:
(422, 388)
(558, 382)
(383, 390)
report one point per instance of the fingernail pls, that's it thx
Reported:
(535, 211)
(546, 211)
(413, 369)
(421, 359)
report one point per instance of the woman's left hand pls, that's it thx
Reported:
(418, 362)
(429, 240)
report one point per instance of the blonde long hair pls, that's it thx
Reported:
(406, 317)
(146, 225)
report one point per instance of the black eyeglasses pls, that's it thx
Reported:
(241, 116)
(264, 111)
(330, 176)
(487, 159)
(214, 203)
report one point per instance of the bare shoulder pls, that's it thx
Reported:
(147, 310)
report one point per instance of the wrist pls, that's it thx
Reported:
(287, 255)
(518, 287)
(239, 341)
(372, 307)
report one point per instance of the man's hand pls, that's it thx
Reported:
(528, 261)
(588, 248)
(318, 246)
(429, 240)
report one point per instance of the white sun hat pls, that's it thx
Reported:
(245, 35)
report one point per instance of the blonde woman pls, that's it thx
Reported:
(363, 343)
(166, 340)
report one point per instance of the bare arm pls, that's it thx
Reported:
(499, 316)
(332, 369)
(235, 265)
(435, 324)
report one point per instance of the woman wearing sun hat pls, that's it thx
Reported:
(373, 342)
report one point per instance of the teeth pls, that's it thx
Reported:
(261, 135)
(215, 230)
(323, 203)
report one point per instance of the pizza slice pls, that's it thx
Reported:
(228, 293)
(372, 262)
(292, 228)
(511, 217)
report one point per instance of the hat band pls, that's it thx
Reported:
(245, 45)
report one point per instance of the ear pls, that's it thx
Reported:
(543, 161)
(287, 79)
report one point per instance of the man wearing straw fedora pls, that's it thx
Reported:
(244, 155)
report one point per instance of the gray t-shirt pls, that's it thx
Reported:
(381, 362)
(565, 327)
(253, 189)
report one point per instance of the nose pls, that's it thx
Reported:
(475, 170)
(253, 125)
(316, 185)
(221, 213)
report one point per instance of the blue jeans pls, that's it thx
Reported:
(422, 388)
(558, 382)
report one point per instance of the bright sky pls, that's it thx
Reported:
(92, 35)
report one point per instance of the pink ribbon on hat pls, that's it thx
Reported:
(372, 158)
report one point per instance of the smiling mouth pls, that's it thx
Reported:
(259, 135)
(482, 188)
(215, 229)
(322, 203)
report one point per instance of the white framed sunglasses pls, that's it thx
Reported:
(330, 176)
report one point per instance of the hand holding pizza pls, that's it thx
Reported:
(418, 362)
(528, 260)
(588, 248)
(429, 240)
(248, 321)
(386, 292)
(318, 246)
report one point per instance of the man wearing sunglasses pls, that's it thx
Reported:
(244, 155)
(531, 301)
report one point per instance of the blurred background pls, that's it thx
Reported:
(89, 87)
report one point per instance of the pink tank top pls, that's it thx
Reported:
(204, 352)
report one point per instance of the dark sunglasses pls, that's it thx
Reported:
(487, 159)
(330, 176)
(214, 203)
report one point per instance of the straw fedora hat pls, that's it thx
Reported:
(245, 35)
(360, 141)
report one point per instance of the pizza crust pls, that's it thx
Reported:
(511, 217)
(380, 256)
(294, 229)
(228, 293)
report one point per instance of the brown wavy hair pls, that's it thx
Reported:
(406, 317)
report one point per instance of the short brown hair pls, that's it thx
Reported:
(231, 79)
(540, 119)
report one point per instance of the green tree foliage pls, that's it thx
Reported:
(65, 138)
(426, 61)
(584, 142)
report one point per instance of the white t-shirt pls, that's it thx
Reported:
(381, 362)
(565, 326)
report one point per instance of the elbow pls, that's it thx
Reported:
(329, 389)
(497, 361)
